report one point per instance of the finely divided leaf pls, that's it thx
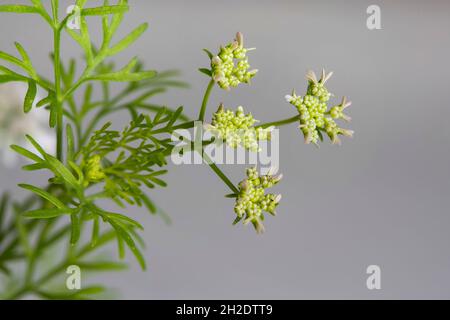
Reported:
(128, 40)
(30, 96)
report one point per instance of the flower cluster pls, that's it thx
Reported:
(93, 171)
(230, 66)
(252, 199)
(315, 116)
(236, 128)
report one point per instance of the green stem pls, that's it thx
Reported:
(221, 175)
(201, 116)
(279, 122)
(57, 67)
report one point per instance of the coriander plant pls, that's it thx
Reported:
(93, 162)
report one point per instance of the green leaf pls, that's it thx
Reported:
(44, 102)
(124, 76)
(17, 8)
(30, 96)
(102, 266)
(23, 235)
(105, 10)
(7, 57)
(43, 194)
(175, 116)
(231, 195)
(75, 233)
(23, 53)
(210, 55)
(53, 116)
(236, 221)
(62, 171)
(3, 206)
(119, 218)
(11, 78)
(26, 153)
(102, 240)
(70, 143)
(148, 203)
(26, 60)
(35, 166)
(87, 95)
(158, 181)
(123, 234)
(90, 290)
(36, 145)
(205, 71)
(95, 231)
(128, 40)
(47, 213)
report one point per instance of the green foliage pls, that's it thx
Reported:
(124, 163)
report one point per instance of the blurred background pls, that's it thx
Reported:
(381, 198)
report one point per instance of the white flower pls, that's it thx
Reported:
(15, 124)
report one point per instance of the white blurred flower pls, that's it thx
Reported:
(15, 124)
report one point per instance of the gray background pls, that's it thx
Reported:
(381, 198)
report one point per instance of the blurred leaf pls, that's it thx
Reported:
(70, 143)
(95, 230)
(128, 40)
(3, 207)
(44, 194)
(75, 233)
(126, 237)
(47, 213)
(102, 266)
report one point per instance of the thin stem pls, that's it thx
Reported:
(279, 122)
(201, 116)
(220, 174)
(57, 69)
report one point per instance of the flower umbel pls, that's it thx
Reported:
(252, 199)
(93, 170)
(236, 128)
(230, 66)
(315, 116)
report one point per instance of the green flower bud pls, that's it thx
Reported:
(236, 128)
(93, 171)
(252, 199)
(230, 67)
(312, 109)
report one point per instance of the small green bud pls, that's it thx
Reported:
(237, 128)
(93, 171)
